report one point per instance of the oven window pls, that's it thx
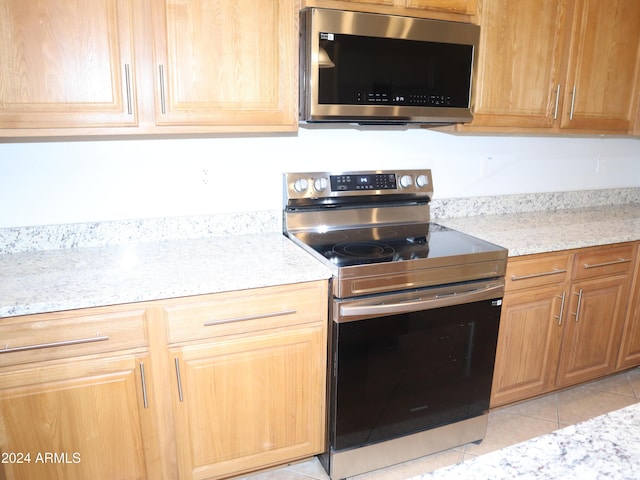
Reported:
(406, 373)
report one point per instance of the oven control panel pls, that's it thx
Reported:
(318, 185)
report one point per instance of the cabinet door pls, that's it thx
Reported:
(528, 343)
(223, 64)
(77, 420)
(592, 329)
(602, 82)
(467, 7)
(520, 56)
(247, 403)
(66, 63)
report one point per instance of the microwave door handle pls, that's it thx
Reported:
(443, 299)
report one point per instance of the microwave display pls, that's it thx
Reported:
(391, 71)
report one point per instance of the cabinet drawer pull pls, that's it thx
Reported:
(144, 386)
(251, 317)
(573, 102)
(63, 343)
(127, 77)
(606, 264)
(163, 105)
(555, 271)
(555, 110)
(559, 317)
(577, 314)
(179, 379)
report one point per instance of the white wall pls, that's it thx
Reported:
(69, 182)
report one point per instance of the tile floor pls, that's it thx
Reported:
(507, 426)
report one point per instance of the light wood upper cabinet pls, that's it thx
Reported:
(222, 64)
(67, 63)
(557, 66)
(520, 63)
(604, 62)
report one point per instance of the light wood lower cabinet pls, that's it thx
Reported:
(86, 411)
(562, 320)
(251, 392)
(193, 388)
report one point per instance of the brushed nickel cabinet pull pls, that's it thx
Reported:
(559, 317)
(177, 361)
(577, 314)
(250, 317)
(64, 343)
(144, 386)
(606, 264)
(573, 102)
(555, 110)
(555, 271)
(163, 104)
(127, 77)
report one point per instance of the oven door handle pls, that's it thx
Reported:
(442, 298)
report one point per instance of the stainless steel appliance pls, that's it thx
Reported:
(413, 321)
(384, 69)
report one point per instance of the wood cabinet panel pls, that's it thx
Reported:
(520, 62)
(592, 329)
(602, 83)
(630, 351)
(528, 343)
(616, 259)
(90, 413)
(236, 312)
(221, 63)
(67, 63)
(52, 336)
(261, 399)
(536, 270)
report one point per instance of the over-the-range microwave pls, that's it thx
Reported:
(383, 69)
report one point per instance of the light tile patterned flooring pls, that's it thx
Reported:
(507, 426)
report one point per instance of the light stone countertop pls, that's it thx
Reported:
(603, 447)
(549, 231)
(63, 279)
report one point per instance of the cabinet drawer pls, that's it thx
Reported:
(35, 338)
(247, 311)
(609, 260)
(536, 270)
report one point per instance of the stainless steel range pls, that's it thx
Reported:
(414, 316)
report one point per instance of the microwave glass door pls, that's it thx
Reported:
(390, 71)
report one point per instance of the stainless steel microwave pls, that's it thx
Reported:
(382, 69)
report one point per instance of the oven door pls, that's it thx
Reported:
(404, 363)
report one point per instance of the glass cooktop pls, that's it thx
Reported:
(368, 245)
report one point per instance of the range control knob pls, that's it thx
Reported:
(406, 181)
(301, 185)
(422, 181)
(320, 184)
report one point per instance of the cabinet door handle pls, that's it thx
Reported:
(559, 317)
(127, 78)
(606, 264)
(144, 386)
(64, 343)
(577, 314)
(177, 361)
(555, 271)
(555, 110)
(573, 102)
(250, 317)
(163, 105)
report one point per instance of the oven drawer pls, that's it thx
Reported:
(536, 270)
(248, 311)
(607, 260)
(52, 336)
